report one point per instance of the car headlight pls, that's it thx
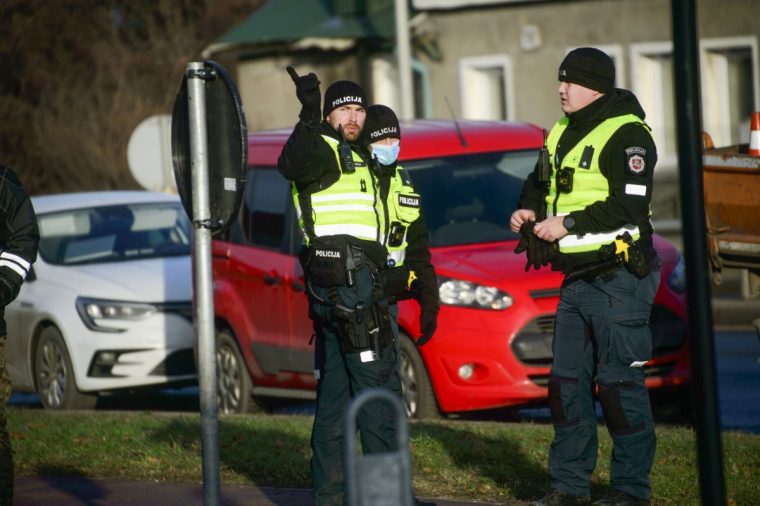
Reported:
(677, 278)
(94, 312)
(456, 292)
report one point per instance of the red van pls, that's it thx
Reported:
(493, 344)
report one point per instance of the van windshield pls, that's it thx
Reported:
(468, 199)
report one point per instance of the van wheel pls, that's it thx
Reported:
(419, 399)
(54, 374)
(233, 383)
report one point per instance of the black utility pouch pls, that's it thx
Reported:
(326, 263)
(637, 264)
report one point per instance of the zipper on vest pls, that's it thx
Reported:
(384, 193)
(363, 186)
(378, 228)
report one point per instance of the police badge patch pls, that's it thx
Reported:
(635, 160)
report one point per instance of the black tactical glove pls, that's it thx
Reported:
(428, 324)
(307, 91)
(539, 252)
(7, 293)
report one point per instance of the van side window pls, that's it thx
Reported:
(265, 203)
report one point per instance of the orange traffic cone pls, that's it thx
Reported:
(754, 134)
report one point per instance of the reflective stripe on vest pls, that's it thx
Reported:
(589, 184)
(347, 207)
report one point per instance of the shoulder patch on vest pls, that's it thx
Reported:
(404, 176)
(635, 160)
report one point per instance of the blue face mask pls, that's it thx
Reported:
(385, 154)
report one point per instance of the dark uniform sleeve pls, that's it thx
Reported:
(19, 235)
(306, 159)
(532, 195)
(418, 259)
(627, 161)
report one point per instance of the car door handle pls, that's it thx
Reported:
(271, 279)
(298, 286)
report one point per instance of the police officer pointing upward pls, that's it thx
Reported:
(596, 206)
(345, 223)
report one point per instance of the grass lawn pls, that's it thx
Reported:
(489, 461)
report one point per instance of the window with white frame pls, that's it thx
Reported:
(385, 86)
(729, 90)
(485, 83)
(729, 87)
(652, 83)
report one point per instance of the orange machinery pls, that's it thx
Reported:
(731, 178)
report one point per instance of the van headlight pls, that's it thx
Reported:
(677, 278)
(95, 312)
(456, 292)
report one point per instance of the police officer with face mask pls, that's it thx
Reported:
(602, 159)
(410, 273)
(345, 225)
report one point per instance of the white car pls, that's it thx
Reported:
(108, 303)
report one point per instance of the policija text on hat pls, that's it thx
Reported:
(355, 241)
(585, 210)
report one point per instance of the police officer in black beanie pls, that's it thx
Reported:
(410, 273)
(596, 210)
(343, 220)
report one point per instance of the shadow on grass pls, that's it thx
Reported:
(275, 452)
(268, 451)
(497, 457)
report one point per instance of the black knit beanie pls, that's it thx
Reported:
(381, 123)
(588, 67)
(343, 92)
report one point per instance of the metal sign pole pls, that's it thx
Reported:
(689, 122)
(404, 52)
(204, 292)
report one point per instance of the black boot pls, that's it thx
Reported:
(557, 498)
(620, 498)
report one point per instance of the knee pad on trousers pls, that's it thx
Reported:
(612, 406)
(557, 385)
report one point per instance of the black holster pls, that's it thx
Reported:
(636, 263)
(363, 328)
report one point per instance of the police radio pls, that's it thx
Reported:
(345, 154)
(543, 166)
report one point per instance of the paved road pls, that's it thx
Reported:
(72, 491)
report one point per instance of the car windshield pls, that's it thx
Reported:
(469, 198)
(114, 233)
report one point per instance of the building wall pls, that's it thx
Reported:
(613, 25)
(497, 32)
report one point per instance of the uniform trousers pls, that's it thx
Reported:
(602, 339)
(6, 450)
(340, 377)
